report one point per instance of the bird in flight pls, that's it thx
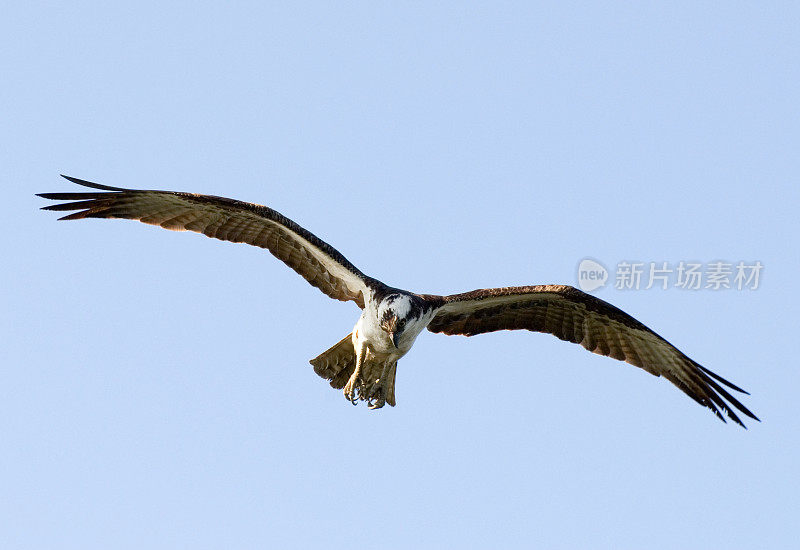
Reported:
(364, 362)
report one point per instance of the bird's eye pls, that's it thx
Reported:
(402, 323)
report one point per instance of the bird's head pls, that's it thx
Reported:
(394, 314)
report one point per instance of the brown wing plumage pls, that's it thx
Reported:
(577, 317)
(228, 220)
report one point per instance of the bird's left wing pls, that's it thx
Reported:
(229, 220)
(577, 317)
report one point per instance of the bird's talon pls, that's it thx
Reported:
(350, 392)
(376, 400)
(378, 404)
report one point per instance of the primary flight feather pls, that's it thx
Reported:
(364, 362)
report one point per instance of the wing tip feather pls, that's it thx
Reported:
(91, 184)
(718, 378)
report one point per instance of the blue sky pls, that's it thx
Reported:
(155, 390)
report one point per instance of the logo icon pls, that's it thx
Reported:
(591, 275)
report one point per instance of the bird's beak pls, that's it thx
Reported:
(394, 336)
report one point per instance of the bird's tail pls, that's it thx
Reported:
(338, 363)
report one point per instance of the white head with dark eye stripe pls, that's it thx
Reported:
(394, 313)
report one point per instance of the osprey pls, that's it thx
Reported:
(364, 362)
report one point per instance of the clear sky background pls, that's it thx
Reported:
(155, 390)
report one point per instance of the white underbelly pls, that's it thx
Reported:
(378, 342)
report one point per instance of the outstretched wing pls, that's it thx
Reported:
(228, 220)
(577, 317)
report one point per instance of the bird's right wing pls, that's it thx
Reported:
(229, 220)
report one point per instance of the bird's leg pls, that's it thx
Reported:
(354, 381)
(379, 391)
